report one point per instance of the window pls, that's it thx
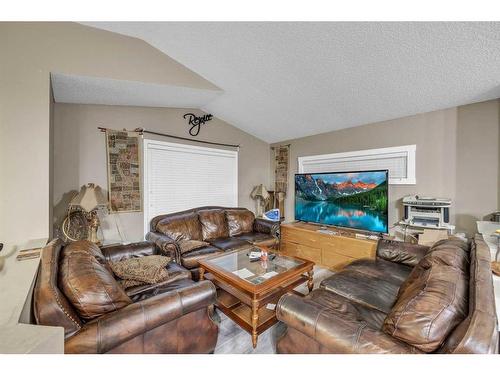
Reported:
(400, 161)
(179, 177)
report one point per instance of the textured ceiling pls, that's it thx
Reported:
(97, 90)
(289, 80)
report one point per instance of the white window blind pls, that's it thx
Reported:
(179, 177)
(400, 161)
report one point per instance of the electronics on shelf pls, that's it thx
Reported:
(426, 212)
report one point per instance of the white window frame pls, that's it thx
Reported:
(150, 143)
(376, 153)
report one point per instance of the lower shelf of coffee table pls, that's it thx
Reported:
(242, 314)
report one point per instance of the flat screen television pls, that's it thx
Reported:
(355, 200)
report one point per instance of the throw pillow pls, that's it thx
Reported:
(149, 269)
(179, 227)
(239, 221)
(430, 305)
(190, 245)
(88, 284)
(449, 253)
(213, 224)
(125, 284)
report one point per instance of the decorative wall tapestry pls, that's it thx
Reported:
(124, 171)
(282, 156)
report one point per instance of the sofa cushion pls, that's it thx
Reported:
(258, 238)
(125, 284)
(347, 308)
(448, 253)
(394, 272)
(189, 245)
(453, 242)
(333, 325)
(239, 221)
(400, 252)
(213, 224)
(190, 260)
(177, 274)
(143, 292)
(376, 292)
(179, 227)
(149, 269)
(117, 252)
(444, 252)
(429, 306)
(88, 284)
(230, 243)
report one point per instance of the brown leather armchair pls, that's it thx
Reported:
(224, 229)
(75, 289)
(410, 299)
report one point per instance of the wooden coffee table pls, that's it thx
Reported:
(246, 288)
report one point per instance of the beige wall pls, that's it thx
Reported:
(80, 157)
(29, 52)
(453, 146)
(478, 167)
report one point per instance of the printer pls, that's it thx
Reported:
(426, 212)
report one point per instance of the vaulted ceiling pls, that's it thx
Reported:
(293, 79)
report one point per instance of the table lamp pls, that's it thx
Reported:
(260, 194)
(89, 200)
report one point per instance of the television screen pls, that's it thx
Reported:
(348, 199)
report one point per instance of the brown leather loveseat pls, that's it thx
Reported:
(410, 299)
(224, 229)
(76, 289)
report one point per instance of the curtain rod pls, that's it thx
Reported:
(142, 131)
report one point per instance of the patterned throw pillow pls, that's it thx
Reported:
(189, 245)
(149, 269)
(125, 284)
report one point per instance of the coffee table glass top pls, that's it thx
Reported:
(238, 263)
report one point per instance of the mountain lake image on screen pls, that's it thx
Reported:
(347, 199)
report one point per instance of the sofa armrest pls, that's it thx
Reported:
(401, 252)
(165, 245)
(116, 253)
(336, 331)
(266, 226)
(111, 330)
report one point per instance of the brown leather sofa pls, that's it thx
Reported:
(410, 299)
(76, 289)
(225, 229)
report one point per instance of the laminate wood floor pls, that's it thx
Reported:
(234, 340)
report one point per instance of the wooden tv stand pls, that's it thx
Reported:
(332, 251)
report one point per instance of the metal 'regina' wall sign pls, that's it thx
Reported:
(196, 121)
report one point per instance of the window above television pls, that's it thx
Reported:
(400, 161)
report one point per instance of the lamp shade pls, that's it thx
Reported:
(259, 192)
(89, 198)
